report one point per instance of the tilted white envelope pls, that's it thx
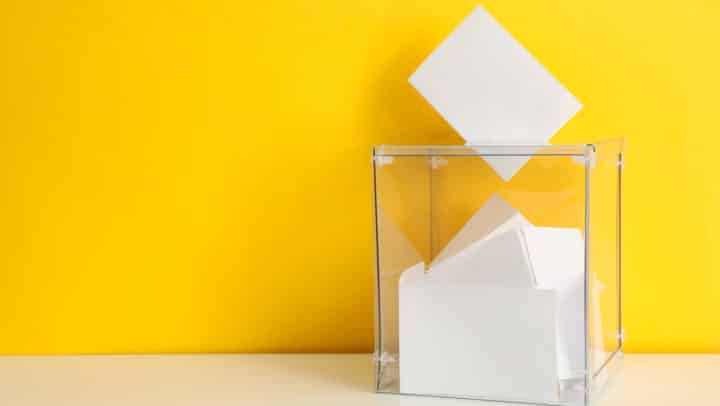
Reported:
(495, 217)
(500, 261)
(492, 91)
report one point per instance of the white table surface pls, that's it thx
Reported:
(317, 380)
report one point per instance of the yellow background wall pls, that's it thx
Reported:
(193, 176)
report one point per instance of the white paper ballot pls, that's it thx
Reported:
(471, 341)
(527, 256)
(472, 308)
(501, 261)
(557, 256)
(492, 91)
(475, 325)
(495, 217)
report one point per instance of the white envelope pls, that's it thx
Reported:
(549, 258)
(492, 91)
(557, 256)
(475, 326)
(495, 217)
(501, 261)
(467, 317)
(479, 342)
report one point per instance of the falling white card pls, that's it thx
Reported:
(495, 217)
(493, 91)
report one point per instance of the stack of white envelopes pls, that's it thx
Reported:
(499, 313)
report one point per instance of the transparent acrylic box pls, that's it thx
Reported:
(498, 290)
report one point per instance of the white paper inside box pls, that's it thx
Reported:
(502, 318)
